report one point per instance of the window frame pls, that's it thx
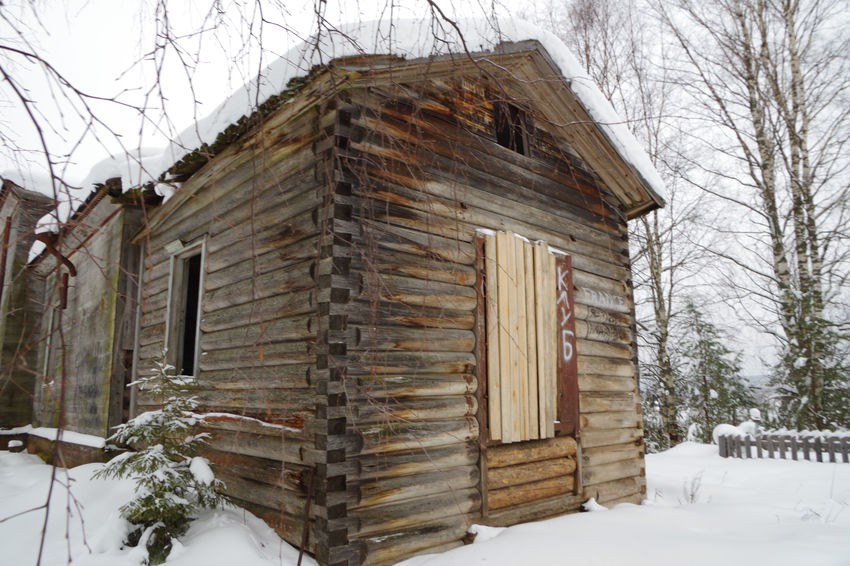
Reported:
(176, 315)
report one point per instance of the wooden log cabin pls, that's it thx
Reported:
(403, 286)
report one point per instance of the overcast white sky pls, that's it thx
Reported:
(98, 44)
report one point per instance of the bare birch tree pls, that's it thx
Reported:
(618, 46)
(769, 83)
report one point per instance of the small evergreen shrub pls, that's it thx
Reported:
(172, 482)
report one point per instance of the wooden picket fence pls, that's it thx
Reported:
(787, 446)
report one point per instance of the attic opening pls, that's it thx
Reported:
(511, 123)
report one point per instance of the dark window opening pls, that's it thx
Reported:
(187, 312)
(4, 254)
(510, 127)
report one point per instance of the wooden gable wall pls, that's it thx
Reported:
(426, 176)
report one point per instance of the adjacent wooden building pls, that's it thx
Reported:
(404, 289)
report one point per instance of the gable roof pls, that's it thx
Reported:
(554, 82)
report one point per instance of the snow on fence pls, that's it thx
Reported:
(785, 446)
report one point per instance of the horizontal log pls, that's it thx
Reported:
(603, 332)
(297, 277)
(416, 461)
(381, 363)
(433, 537)
(606, 366)
(286, 203)
(403, 488)
(273, 447)
(394, 517)
(591, 438)
(416, 292)
(391, 437)
(533, 510)
(419, 266)
(603, 383)
(259, 377)
(599, 402)
(261, 310)
(517, 495)
(364, 311)
(389, 213)
(598, 455)
(280, 330)
(253, 258)
(531, 451)
(262, 470)
(291, 429)
(603, 350)
(413, 410)
(613, 420)
(387, 387)
(604, 300)
(591, 314)
(416, 242)
(396, 338)
(602, 473)
(300, 352)
(495, 192)
(271, 400)
(607, 492)
(498, 478)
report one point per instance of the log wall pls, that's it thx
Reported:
(85, 344)
(259, 206)
(427, 175)
(20, 303)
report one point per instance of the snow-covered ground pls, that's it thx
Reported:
(700, 510)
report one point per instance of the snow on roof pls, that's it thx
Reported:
(406, 38)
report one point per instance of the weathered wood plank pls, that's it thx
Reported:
(416, 292)
(405, 363)
(394, 517)
(433, 537)
(612, 420)
(494, 375)
(523, 281)
(515, 495)
(514, 454)
(498, 478)
(614, 490)
(592, 438)
(533, 510)
(397, 338)
(602, 383)
(292, 304)
(602, 473)
(392, 437)
(599, 402)
(385, 388)
(414, 410)
(598, 455)
(379, 465)
(403, 488)
(545, 297)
